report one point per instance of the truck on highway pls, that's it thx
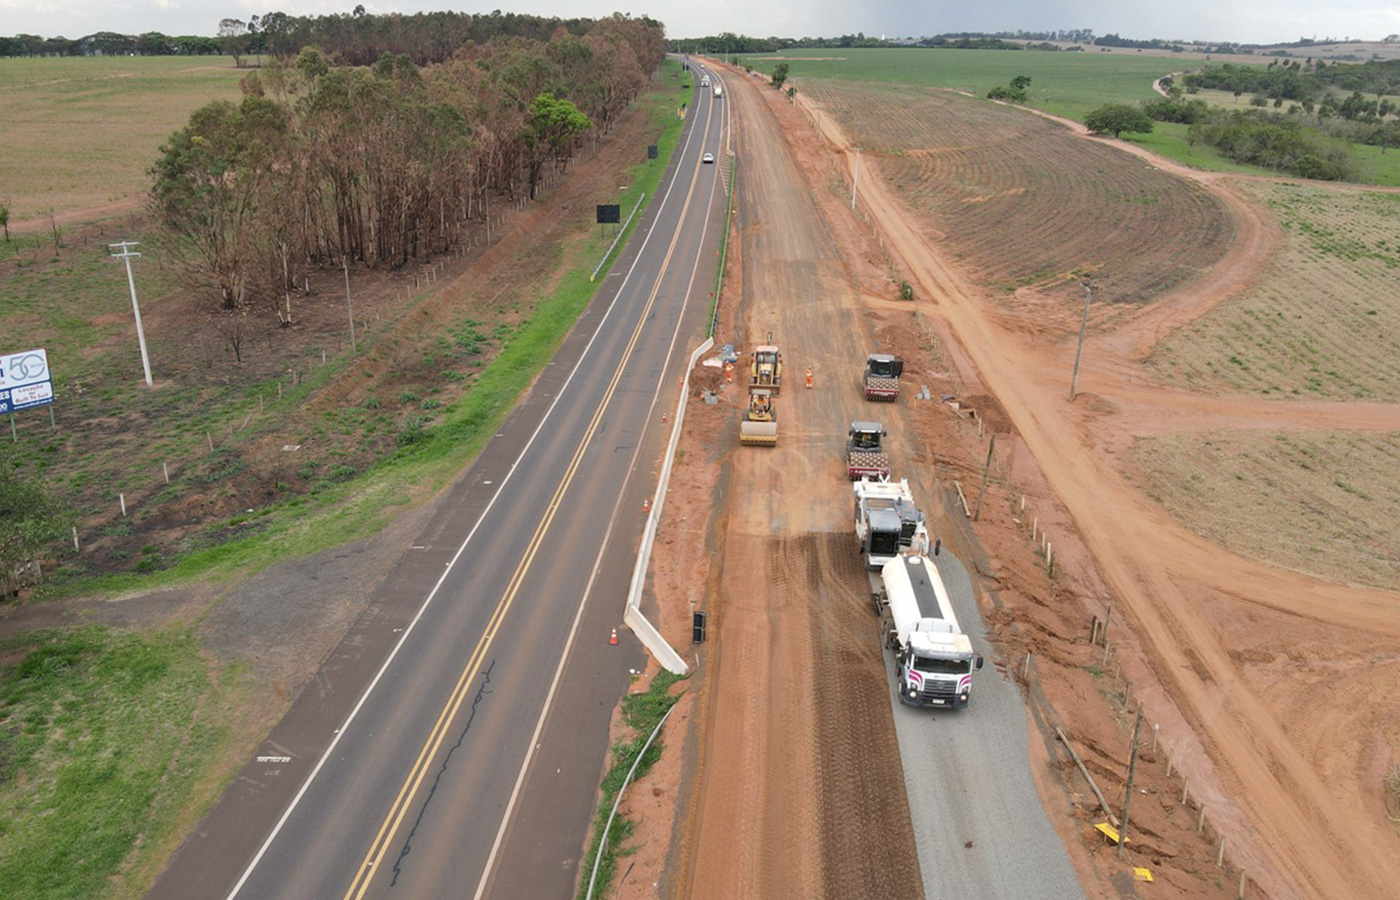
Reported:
(933, 659)
(882, 373)
(719, 91)
(865, 457)
(887, 521)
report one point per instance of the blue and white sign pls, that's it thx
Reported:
(25, 380)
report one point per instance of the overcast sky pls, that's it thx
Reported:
(1242, 21)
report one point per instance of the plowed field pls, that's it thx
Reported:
(1024, 204)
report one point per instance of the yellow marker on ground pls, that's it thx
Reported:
(1111, 833)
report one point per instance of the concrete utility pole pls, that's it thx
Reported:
(1128, 794)
(855, 179)
(349, 305)
(124, 252)
(1079, 351)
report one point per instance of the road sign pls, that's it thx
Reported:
(609, 213)
(25, 380)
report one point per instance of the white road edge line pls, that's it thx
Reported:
(340, 732)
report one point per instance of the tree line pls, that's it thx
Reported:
(323, 165)
(1306, 81)
(357, 38)
(109, 43)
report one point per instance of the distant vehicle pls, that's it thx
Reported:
(705, 81)
(708, 158)
(719, 91)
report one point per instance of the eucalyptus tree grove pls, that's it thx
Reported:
(320, 163)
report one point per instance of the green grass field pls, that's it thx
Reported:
(1062, 84)
(80, 132)
(1065, 84)
(102, 738)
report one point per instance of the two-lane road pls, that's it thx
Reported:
(451, 746)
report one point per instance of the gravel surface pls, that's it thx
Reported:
(979, 824)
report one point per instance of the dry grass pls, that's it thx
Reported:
(80, 132)
(1324, 320)
(1317, 502)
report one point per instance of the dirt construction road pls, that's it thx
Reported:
(799, 793)
(1297, 757)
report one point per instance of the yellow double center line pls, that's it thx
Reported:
(399, 810)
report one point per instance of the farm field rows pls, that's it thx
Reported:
(1325, 503)
(1319, 321)
(80, 132)
(1026, 205)
(1242, 653)
(1066, 84)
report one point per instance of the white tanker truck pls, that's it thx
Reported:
(933, 659)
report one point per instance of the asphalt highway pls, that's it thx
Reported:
(452, 745)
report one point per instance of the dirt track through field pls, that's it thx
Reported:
(1291, 747)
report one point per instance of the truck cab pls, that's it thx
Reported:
(936, 670)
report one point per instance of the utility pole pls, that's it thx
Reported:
(124, 252)
(855, 179)
(345, 262)
(1128, 796)
(1079, 351)
(986, 467)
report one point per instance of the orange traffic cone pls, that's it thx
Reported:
(613, 639)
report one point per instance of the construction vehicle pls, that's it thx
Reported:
(882, 373)
(766, 370)
(865, 457)
(887, 521)
(933, 659)
(760, 423)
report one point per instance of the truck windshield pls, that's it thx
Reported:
(942, 666)
(884, 543)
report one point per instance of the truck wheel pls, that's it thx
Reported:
(875, 600)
